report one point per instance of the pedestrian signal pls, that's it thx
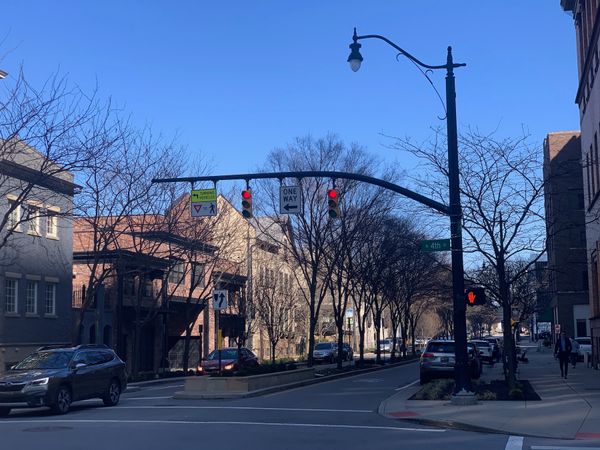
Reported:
(475, 296)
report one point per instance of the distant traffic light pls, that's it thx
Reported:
(247, 204)
(333, 201)
(475, 296)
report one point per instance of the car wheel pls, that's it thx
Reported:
(4, 411)
(113, 394)
(62, 400)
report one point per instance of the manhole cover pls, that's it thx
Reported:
(45, 429)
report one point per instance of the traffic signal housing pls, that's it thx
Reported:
(247, 204)
(333, 202)
(475, 296)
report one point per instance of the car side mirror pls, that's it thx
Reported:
(77, 366)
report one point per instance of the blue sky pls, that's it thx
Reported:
(234, 79)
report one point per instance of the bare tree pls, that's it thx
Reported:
(502, 198)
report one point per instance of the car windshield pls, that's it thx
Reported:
(46, 360)
(324, 346)
(225, 354)
(440, 347)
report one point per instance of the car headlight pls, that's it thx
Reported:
(39, 382)
(228, 367)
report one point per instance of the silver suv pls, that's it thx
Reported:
(437, 361)
(325, 351)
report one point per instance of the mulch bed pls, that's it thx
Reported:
(494, 390)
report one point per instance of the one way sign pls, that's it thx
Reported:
(290, 200)
(219, 299)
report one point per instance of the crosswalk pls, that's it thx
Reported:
(516, 443)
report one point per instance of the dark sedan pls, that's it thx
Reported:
(56, 377)
(229, 361)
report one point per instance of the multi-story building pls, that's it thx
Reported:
(587, 29)
(36, 197)
(157, 279)
(567, 269)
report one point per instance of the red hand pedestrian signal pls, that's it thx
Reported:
(475, 296)
(471, 297)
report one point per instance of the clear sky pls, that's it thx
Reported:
(234, 79)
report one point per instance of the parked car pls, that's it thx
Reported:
(385, 345)
(485, 349)
(229, 361)
(497, 346)
(56, 377)
(437, 360)
(325, 352)
(347, 353)
(585, 346)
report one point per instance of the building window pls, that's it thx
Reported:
(50, 303)
(10, 289)
(14, 218)
(52, 224)
(177, 273)
(148, 288)
(198, 275)
(129, 286)
(581, 328)
(33, 220)
(31, 297)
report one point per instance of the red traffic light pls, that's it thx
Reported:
(332, 193)
(246, 195)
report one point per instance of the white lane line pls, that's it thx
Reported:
(164, 387)
(189, 422)
(406, 386)
(554, 447)
(249, 408)
(514, 443)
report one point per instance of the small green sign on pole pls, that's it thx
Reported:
(435, 245)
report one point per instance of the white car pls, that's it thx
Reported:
(585, 345)
(485, 349)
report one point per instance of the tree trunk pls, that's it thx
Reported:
(186, 348)
(273, 349)
(311, 337)
(340, 353)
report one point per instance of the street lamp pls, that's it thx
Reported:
(3, 74)
(463, 393)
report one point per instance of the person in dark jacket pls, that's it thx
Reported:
(562, 350)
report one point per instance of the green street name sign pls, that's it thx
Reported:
(204, 195)
(436, 245)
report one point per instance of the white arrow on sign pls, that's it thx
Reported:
(290, 200)
(220, 299)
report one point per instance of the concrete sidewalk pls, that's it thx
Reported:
(569, 409)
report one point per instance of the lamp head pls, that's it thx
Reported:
(355, 58)
(3, 74)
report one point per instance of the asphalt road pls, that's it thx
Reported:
(340, 414)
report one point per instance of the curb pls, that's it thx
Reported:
(182, 395)
(461, 426)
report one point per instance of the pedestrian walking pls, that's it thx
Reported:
(574, 352)
(562, 350)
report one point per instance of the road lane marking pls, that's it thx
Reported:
(514, 443)
(164, 387)
(249, 408)
(406, 386)
(190, 422)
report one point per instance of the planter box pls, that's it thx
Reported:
(206, 386)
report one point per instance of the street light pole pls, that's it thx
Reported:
(462, 391)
